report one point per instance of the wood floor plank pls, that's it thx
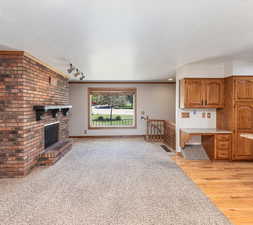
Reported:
(229, 185)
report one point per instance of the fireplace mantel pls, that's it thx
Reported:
(54, 109)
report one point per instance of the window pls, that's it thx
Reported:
(112, 108)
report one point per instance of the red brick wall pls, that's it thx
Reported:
(25, 83)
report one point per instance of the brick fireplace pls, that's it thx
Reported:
(26, 82)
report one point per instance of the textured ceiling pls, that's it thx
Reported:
(127, 40)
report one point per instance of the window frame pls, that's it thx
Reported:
(101, 89)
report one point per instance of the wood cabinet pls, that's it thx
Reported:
(194, 93)
(244, 116)
(217, 146)
(214, 92)
(243, 125)
(237, 115)
(217, 143)
(223, 144)
(201, 93)
(244, 89)
(244, 148)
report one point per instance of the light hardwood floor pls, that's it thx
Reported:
(229, 185)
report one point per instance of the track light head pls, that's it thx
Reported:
(77, 73)
(82, 76)
(71, 68)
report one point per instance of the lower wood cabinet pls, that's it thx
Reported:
(218, 146)
(244, 147)
(223, 144)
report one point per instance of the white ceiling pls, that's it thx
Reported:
(127, 39)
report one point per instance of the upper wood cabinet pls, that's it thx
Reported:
(244, 88)
(214, 93)
(194, 93)
(201, 93)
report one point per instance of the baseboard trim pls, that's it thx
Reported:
(109, 136)
(120, 82)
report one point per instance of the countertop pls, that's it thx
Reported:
(205, 131)
(248, 136)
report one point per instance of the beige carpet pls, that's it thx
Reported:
(107, 182)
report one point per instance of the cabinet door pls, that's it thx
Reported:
(214, 91)
(244, 89)
(244, 150)
(244, 115)
(194, 93)
(223, 143)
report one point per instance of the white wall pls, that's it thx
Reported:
(242, 68)
(157, 100)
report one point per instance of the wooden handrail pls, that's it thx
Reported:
(170, 134)
(155, 130)
(161, 131)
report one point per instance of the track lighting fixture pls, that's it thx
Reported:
(71, 68)
(77, 71)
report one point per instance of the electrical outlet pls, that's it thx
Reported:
(185, 115)
(85, 132)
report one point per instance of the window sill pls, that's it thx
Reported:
(106, 128)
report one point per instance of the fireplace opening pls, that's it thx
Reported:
(51, 134)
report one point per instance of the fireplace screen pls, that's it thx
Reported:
(51, 134)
